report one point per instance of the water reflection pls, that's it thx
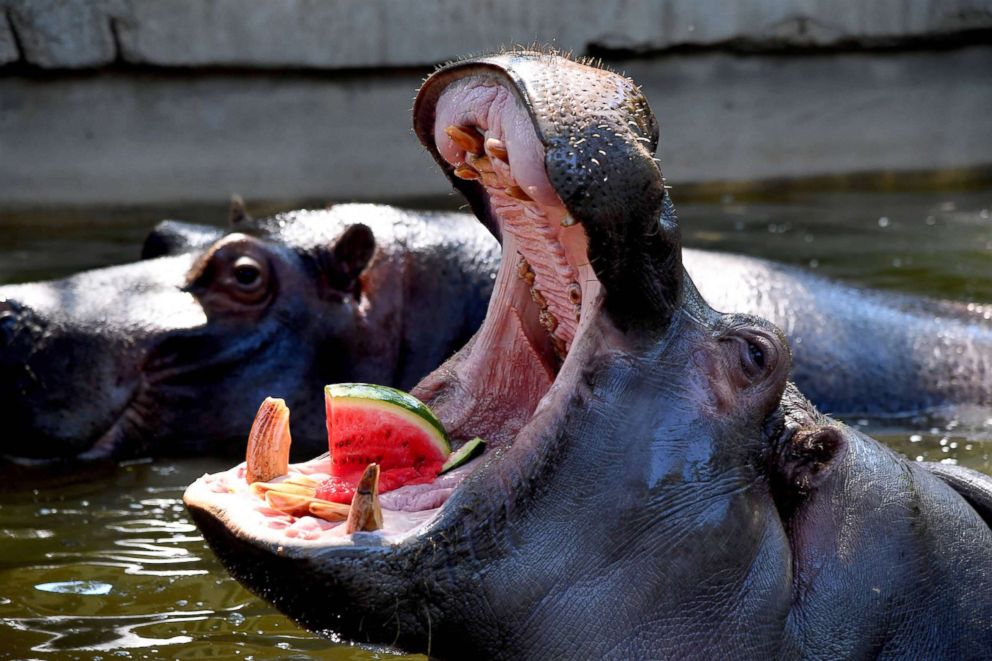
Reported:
(122, 570)
(98, 633)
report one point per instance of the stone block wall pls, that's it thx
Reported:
(130, 101)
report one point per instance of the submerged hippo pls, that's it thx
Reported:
(654, 487)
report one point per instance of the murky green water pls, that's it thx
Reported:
(113, 568)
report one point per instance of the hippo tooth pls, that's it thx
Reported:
(568, 221)
(523, 269)
(480, 163)
(267, 456)
(466, 171)
(538, 298)
(328, 511)
(262, 488)
(366, 514)
(548, 321)
(497, 149)
(525, 272)
(465, 137)
(294, 503)
(575, 293)
(517, 193)
(302, 480)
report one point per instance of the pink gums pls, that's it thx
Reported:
(493, 110)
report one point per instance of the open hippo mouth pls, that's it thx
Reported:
(591, 299)
(505, 385)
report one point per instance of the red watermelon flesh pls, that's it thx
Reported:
(374, 424)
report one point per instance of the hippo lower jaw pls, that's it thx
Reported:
(507, 382)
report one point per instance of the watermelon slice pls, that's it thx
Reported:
(374, 424)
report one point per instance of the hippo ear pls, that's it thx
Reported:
(238, 213)
(809, 456)
(349, 256)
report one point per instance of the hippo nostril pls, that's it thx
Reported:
(7, 321)
(10, 313)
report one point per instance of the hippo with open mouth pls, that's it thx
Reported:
(653, 487)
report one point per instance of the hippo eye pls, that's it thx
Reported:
(235, 272)
(247, 280)
(247, 272)
(757, 355)
(755, 351)
(752, 357)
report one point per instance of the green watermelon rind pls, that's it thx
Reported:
(470, 450)
(396, 402)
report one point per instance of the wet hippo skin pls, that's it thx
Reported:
(654, 487)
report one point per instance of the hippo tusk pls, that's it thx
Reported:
(366, 514)
(267, 456)
(466, 137)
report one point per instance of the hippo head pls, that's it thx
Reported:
(639, 455)
(176, 350)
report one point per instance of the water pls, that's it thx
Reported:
(112, 567)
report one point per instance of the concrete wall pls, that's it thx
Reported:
(106, 101)
(335, 34)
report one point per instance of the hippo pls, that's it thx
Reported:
(172, 354)
(856, 352)
(654, 486)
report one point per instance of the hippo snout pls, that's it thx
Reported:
(19, 328)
